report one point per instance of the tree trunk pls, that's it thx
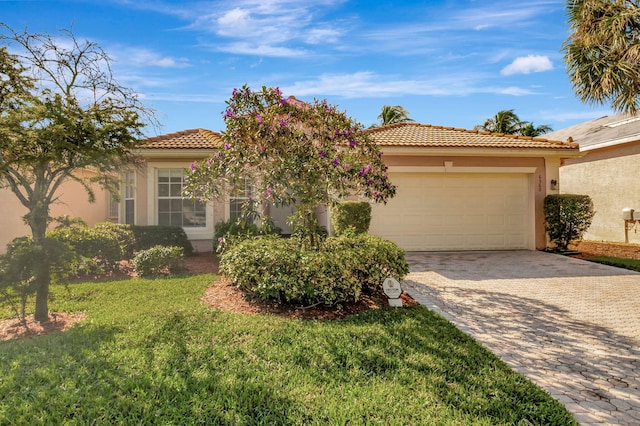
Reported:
(37, 219)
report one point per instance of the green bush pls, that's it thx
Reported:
(150, 236)
(351, 214)
(123, 233)
(18, 269)
(158, 260)
(230, 231)
(567, 217)
(378, 258)
(338, 272)
(96, 248)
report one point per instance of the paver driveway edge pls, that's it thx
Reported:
(570, 326)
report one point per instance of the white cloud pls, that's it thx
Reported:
(515, 91)
(527, 65)
(245, 48)
(142, 57)
(366, 84)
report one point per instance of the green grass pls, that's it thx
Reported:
(631, 264)
(151, 353)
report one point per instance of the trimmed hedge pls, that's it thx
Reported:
(351, 214)
(277, 269)
(157, 235)
(99, 245)
(567, 217)
(158, 260)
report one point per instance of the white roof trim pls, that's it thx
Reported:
(630, 138)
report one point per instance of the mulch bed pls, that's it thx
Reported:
(602, 248)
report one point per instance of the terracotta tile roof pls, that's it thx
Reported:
(186, 139)
(426, 135)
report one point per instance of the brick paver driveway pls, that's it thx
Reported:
(571, 326)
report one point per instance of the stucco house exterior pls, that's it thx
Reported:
(607, 171)
(457, 189)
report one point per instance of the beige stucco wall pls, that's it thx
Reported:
(72, 200)
(611, 177)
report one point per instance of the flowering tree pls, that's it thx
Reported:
(292, 153)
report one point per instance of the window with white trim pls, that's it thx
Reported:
(129, 197)
(238, 197)
(173, 209)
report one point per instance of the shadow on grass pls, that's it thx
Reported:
(405, 366)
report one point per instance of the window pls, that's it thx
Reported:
(127, 204)
(237, 198)
(129, 197)
(114, 209)
(173, 209)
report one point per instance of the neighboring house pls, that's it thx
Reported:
(608, 171)
(457, 189)
(466, 190)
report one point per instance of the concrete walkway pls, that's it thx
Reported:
(570, 326)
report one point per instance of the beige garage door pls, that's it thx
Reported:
(438, 211)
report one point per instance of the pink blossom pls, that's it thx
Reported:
(336, 162)
(227, 146)
(283, 122)
(269, 191)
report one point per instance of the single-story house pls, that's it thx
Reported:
(457, 189)
(608, 171)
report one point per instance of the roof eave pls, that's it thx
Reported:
(176, 152)
(481, 152)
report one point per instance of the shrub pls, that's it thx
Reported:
(351, 214)
(18, 268)
(158, 260)
(147, 237)
(338, 272)
(123, 234)
(231, 231)
(378, 258)
(567, 217)
(96, 248)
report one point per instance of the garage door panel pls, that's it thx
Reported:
(456, 212)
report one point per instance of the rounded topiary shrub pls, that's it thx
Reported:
(148, 236)
(338, 272)
(158, 260)
(355, 215)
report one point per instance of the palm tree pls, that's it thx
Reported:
(603, 52)
(505, 121)
(528, 129)
(394, 114)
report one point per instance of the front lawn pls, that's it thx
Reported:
(150, 352)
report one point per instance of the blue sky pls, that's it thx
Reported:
(450, 63)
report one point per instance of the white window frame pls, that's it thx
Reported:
(193, 233)
(128, 193)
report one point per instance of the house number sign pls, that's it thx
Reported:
(392, 289)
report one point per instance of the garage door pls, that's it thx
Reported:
(438, 211)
